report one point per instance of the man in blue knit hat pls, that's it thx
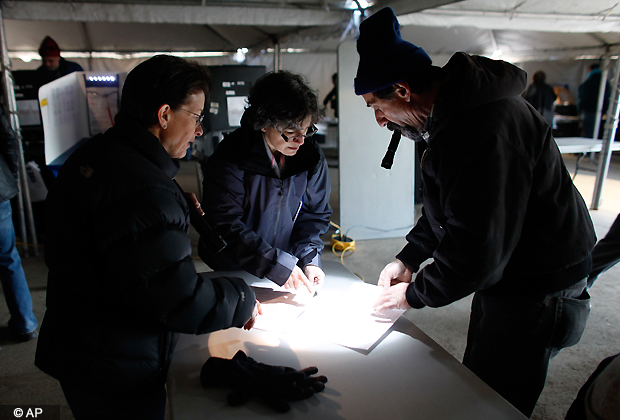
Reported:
(501, 219)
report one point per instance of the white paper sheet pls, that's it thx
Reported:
(347, 319)
(281, 307)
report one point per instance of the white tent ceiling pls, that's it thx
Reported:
(522, 29)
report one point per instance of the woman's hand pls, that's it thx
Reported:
(257, 311)
(297, 280)
(315, 275)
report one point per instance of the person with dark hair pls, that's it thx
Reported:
(53, 66)
(266, 187)
(122, 283)
(501, 217)
(332, 96)
(541, 96)
(587, 102)
(22, 323)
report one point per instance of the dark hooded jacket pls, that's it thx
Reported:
(270, 224)
(121, 279)
(501, 213)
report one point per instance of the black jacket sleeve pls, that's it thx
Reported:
(150, 265)
(472, 248)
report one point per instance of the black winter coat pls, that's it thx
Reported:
(121, 279)
(500, 210)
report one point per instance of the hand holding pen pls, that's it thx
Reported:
(315, 275)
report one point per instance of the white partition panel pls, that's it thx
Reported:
(374, 202)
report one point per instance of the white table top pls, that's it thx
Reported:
(406, 375)
(582, 145)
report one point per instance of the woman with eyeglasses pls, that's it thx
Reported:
(266, 187)
(122, 283)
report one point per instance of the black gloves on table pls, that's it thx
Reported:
(275, 385)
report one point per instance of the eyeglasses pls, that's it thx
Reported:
(199, 117)
(309, 133)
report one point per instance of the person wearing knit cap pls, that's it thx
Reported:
(53, 66)
(501, 219)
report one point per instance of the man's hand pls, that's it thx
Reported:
(394, 273)
(192, 196)
(297, 280)
(394, 297)
(257, 311)
(315, 275)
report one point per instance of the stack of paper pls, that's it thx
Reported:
(345, 318)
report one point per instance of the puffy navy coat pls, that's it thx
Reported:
(500, 209)
(121, 277)
(270, 223)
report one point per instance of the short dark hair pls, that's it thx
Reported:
(419, 83)
(282, 99)
(539, 77)
(162, 79)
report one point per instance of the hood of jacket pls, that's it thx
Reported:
(469, 82)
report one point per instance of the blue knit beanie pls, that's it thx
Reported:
(385, 58)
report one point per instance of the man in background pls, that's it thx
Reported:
(588, 100)
(541, 96)
(53, 66)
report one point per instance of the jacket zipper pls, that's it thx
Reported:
(280, 194)
(164, 350)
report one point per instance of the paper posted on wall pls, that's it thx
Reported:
(347, 319)
(36, 185)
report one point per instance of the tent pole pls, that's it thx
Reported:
(611, 126)
(601, 94)
(277, 58)
(11, 108)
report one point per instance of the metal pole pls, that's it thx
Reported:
(611, 126)
(11, 108)
(601, 95)
(277, 63)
